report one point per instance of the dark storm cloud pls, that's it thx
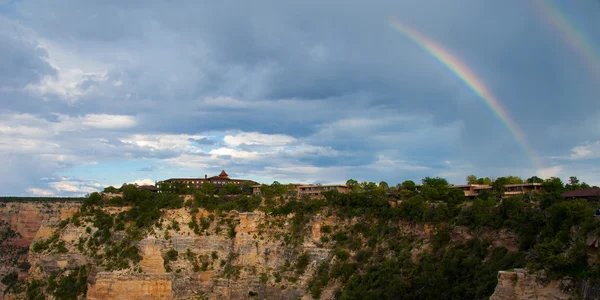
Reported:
(350, 91)
(204, 141)
(22, 62)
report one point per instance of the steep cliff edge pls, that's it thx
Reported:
(524, 284)
(214, 255)
(520, 284)
(236, 255)
(26, 218)
(20, 223)
(348, 246)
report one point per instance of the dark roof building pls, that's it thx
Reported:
(219, 181)
(151, 188)
(591, 193)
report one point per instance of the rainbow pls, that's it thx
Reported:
(465, 74)
(548, 11)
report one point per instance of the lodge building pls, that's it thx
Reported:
(219, 181)
(472, 190)
(308, 190)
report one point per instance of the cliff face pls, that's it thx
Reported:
(519, 284)
(126, 287)
(234, 256)
(228, 255)
(26, 218)
(216, 264)
(231, 255)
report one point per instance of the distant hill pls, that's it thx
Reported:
(6, 199)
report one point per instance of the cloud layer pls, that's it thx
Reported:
(103, 93)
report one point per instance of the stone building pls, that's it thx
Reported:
(308, 190)
(219, 181)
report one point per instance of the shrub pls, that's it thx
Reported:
(24, 266)
(302, 263)
(10, 280)
(172, 255)
(341, 254)
(340, 237)
(175, 225)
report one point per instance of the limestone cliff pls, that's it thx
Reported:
(26, 218)
(236, 255)
(195, 254)
(519, 284)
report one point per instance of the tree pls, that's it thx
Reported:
(93, 199)
(455, 197)
(353, 185)
(471, 179)
(368, 187)
(413, 208)
(409, 185)
(573, 184)
(436, 182)
(165, 187)
(486, 181)
(278, 188)
(207, 188)
(231, 188)
(384, 186)
(111, 189)
(535, 179)
(513, 180)
(291, 190)
(434, 189)
(553, 185)
(246, 188)
(498, 187)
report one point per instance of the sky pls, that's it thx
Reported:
(98, 93)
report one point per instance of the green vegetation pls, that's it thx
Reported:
(301, 263)
(10, 280)
(34, 290)
(71, 285)
(68, 284)
(6, 233)
(551, 233)
(241, 203)
(373, 257)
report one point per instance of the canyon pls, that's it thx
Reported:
(236, 255)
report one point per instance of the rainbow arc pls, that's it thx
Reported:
(471, 80)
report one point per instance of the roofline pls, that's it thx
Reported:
(206, 179)
(307, 184)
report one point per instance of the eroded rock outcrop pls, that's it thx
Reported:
(26, 218)
(232, 255)
(520, 284)
(108, 285)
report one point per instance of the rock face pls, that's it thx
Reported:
(520, 284)
(106, 285)
(232, 255)
(26, 218)
(152, 261)
(236, 256)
